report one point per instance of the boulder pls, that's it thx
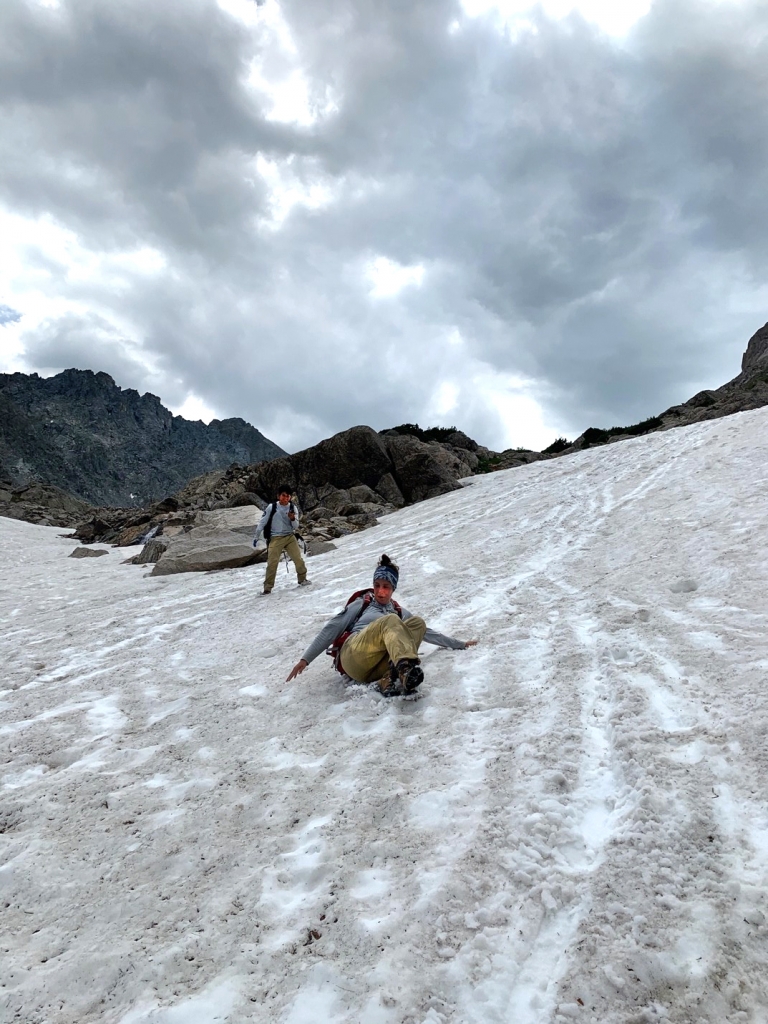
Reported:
(335, 499)
(363, 520)
(388, 489)
(169, 504)
(339, 527)
(363, 508)
(248, 498)
(152, 551)
(319, 547)
(133, 534)
(458, 439)
(421, 470)
(88, 552)
(318, 513)
(349, 459)
(229, 518)
(205, 548)
(457, 462)
(362, 493)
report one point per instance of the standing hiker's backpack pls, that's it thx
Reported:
(334, 651)
(268, 525)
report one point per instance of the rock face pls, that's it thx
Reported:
(755, 359)
(80, 432)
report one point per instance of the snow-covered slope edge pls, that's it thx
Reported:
(570, 825)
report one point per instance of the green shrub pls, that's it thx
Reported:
(487, 465)
(559, 445)
(594, 435)
(430, 434)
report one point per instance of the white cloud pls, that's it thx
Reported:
(286, 189)
(616, 17)
(389, 278)
(194, 408)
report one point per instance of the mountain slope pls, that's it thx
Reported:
(569, 825)
(79, 431)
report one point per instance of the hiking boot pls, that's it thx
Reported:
(410, 674)
(389, 685)
(305, 583)
(266, 593)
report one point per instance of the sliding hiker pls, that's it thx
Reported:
(374, 639)
(279, 524)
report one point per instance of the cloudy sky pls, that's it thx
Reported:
(522, 220)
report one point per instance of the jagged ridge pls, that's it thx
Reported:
(81, 432)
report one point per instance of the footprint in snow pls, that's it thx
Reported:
(684, 586)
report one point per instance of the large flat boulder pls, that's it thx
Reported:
(205, 548)
(229, 518)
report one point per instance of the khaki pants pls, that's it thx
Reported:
(277, 546)
(366, 655)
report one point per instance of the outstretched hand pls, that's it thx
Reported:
(297, 669)
(471, 643)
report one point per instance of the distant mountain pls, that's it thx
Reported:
(81, 432)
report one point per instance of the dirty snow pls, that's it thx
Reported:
(570, 824)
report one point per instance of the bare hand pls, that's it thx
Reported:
(297, 669)
(471, 643)
(292, 516)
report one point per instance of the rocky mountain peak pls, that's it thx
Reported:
(80, 431)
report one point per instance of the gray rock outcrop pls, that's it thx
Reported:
(81, 432)
(42, 504)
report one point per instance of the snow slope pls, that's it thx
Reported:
(570, 825)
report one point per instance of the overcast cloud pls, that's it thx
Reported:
(318, 213)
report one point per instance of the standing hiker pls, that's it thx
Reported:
(279, 524)
(374, 639)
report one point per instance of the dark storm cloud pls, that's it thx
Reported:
(588, 214)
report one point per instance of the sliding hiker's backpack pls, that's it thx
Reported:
(268, 525)
(334, 651)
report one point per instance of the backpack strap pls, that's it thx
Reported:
(268, 524)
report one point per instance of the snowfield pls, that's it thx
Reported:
(571, 824)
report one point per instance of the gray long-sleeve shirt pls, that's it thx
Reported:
(347, 620)
(281, 524)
